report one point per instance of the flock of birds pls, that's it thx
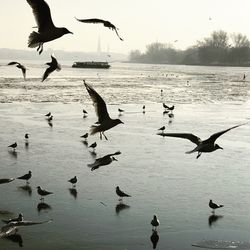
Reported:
(47, 31)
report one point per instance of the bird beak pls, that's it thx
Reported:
(114, 159)
(220, 148)
(71, 32)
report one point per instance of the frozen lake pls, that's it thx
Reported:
(155, 171)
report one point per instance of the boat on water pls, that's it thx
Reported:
(91, 64)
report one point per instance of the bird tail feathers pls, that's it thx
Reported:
(94, 130)
(34, 40)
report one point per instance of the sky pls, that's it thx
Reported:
(140, 22)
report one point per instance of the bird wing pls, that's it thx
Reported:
(213, 137)
(42, 14)
(23, 71)
(91, 20)
(47, 72)
(99, 104)
(193, 138)
(54, 63)
(116, 153)
(13, 63)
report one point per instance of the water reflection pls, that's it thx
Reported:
(26, 188)
(85, 143)
(73, 192)
(121, 206)
(93, 154)
(13, 154)
(26, 145)
(50, 124)
(154, 238)
(16, 238)
(43, 206)
(213, 218)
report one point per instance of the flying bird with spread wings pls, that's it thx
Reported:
(104, 121)
(47, 31)
(53, 65)
(105, 23)
(20, 66)
(205, 146)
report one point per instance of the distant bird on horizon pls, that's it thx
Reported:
(47, 31)
(105, 23)
(14, 145)
(53, 65)
(20, 66)
(213, 205)
(168, 108)
(155, 222)
(26, 136)
(205, 146)
(143, 109)
(48, 114)
(42, 192)
(120, 193)
(73, 181)
(104, 120)
(105, 160)
(25, 177)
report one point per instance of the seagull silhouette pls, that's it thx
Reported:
(105, 160)
(155, 222)
(85, 136)
(53, 65)
(26, 136)
(42, 192)
(120, 193)
(93, 146)
(73, 181)
(104, 121)
(162, 128)
(46, 29)
(25, 177)
(213, 205)
(20, 66)
(105, 23)
(205, 146)
(14, 145)
(48, 115)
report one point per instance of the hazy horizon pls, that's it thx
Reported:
(140, 23)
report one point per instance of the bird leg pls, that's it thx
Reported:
(199, 154)
(101, 135)
(104, 135)
(41, 48)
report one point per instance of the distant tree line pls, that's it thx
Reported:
(218, 49)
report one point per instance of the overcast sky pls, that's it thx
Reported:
(140, 22)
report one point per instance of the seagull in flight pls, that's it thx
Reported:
(105, 23)
(47, 31)
(53, 65)
(105, 160)
(205, 146)
(104, 121)
(20, 66)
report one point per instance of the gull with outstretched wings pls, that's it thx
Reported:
(104, 121)
(205, 146)
(53, 65)
(105, 23)
(47, 31)
(20, 66)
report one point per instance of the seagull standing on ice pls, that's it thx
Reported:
(120, 193)
(214, 206)
(104, 121)
(47, 31)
